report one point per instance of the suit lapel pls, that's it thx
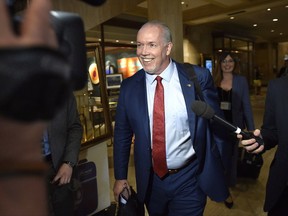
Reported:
(141, 106)
(188, 89)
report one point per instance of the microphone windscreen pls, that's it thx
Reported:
(202, 109)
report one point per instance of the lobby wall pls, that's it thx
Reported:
(197, 41)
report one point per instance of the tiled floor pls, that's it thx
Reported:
(248, 194)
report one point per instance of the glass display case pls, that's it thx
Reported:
(97, 101)
(92, 100)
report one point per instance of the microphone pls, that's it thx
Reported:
(94, 2)
(202, 109)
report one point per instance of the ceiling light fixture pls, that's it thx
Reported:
(275, 20)
(254, 25)
(232, 17)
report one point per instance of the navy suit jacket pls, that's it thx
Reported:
(242, 115)
(275, 133)
(132, 119)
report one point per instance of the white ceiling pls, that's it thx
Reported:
(246, 13)
(218, 13)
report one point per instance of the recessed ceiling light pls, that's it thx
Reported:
(132, 42)
(255, 25)
(117, 41)
(275, 20)
(268, 9)
(232, 17)
(281, 33)
(272, 30)
(182, 2)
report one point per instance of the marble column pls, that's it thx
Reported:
(169, 12)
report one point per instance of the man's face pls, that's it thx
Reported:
(152, 50)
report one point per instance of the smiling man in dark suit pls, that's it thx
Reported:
(192, 165)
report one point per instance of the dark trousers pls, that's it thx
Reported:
(281, 207)
(60, 198)
(176, 195)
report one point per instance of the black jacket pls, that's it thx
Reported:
(65, 134)
(275, 133)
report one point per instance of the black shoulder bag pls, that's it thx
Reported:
(192, 76)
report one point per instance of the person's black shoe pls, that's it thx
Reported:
(229, 204)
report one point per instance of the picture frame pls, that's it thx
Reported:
(113, 81)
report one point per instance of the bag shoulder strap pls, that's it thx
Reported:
(192, 76)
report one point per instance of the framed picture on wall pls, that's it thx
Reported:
(113, 81)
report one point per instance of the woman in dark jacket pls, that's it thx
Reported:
(233, 92)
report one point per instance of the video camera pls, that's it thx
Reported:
(35, 81)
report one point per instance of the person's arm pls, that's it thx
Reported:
(74, 132)
(23, 185)
(35, 30)
(268, 130)
(251, 145)
(22, 170)
(122, 143)
(119, 185)
(73, 143)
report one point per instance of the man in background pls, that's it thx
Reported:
(62, 141)
(284, 70)
(274, 132)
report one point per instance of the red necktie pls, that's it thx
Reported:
(158, 137)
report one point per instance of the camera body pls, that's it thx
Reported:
(36, 81)
(69, 29)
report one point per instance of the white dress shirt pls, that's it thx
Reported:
(179, 147)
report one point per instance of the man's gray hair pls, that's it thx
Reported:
(166, 31)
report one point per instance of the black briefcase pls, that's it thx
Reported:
(87, 196)
(248, 165)
(129, 205)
